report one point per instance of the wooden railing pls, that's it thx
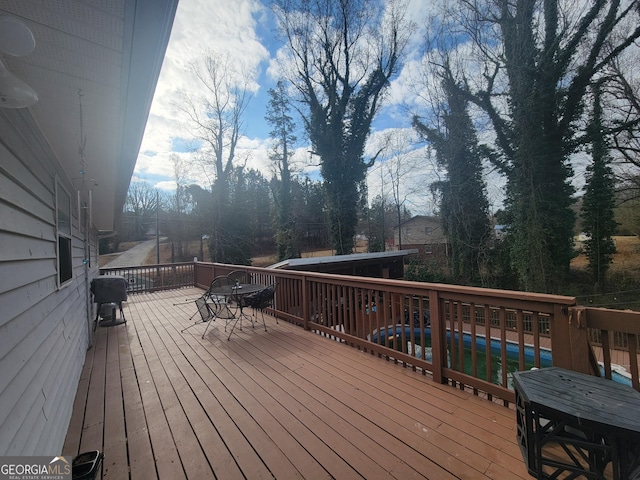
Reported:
(472, 338)
(149, 278)
(614, 336)
(460, 335)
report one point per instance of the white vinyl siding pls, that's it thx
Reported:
(43, 329)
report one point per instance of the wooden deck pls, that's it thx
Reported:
(285, 403)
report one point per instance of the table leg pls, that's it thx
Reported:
(630, 460)
(95, 322)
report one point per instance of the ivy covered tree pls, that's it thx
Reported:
(342, 54)
(464, 207)
(598, 203)
(534, 63)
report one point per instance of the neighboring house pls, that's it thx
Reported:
(105, 56)
(424, 234)
(500, 232)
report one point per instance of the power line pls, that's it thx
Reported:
(632, 302)
(608, 293)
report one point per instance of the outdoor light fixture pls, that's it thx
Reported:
(17, 40)
(14, 93)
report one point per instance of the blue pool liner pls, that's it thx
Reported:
(513, 351)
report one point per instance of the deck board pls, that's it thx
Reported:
(285, 403)
(390, 412)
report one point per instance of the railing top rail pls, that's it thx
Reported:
(626, 321)
(412, 286)
(139, 267)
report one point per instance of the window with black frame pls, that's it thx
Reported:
(63, 228)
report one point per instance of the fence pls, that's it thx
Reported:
(149, 278)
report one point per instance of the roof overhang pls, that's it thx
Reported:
(95, 68)
(354, 258)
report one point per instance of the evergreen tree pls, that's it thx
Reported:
(259, 203)
(376, 225)
(599, 200)
(232, 242)
(310, 207)
(284, 139)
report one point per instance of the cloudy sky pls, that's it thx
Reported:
(244, 29)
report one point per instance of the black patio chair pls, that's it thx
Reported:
(240, 277)
(220, 294)
(206, 311)
(206, 295)
(260, 300)
(215, 303)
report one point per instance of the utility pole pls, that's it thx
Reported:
(157, 229)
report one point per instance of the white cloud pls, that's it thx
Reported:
(255, 152)
(168, 185)
(226, 28)
(231, 28)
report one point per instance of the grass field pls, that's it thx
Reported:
(622, 289)
(627, 256)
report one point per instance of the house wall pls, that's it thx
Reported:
(44, 329)
(413, 232)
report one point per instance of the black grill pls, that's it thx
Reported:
(109, 289)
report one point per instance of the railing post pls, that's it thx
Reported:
(560, 338)
(306, 309)
(582, 359)
(569, 342)
(195, 274)
(438, 345)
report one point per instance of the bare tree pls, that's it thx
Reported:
(622, 91)
(401, 171)
(140, 207)
(216, 120)
(342, 53)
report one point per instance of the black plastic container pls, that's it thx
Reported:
(86, 465)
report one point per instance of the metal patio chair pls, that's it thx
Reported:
(206, 310)
(240, 277)
(260, 300)
(220, 295)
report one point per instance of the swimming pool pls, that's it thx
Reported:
(513, 353)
